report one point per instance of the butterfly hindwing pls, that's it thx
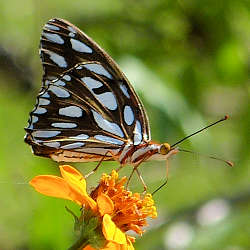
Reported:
(86, 101)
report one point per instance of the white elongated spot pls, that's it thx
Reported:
(91, 83)
(55, 38)
(64, 125)
(73, 145)
(137, 133)
(108, 100)
(128, 115)
(45, 95)
(34, 119)
(98, 69)
(53, 144)
(51, 27)
(42, 101)
(40, 110)
(45, 133)
(106, 125)
(79, 67)
(71, 111)
(59, 83)
(80, 137)
(67, 78)
(108, 139)
(80, 46)
(124, 90)
(59, 92)
(57, 59)
(71, 29)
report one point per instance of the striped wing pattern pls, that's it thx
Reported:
(86, 103)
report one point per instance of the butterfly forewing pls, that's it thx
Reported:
(86, 103)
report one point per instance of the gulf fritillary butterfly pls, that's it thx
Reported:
(87, 110)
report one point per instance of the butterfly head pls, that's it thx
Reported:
(165, 151)
(164, 148)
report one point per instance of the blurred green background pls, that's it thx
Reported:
(189, 63)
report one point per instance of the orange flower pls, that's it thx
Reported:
(117, 209)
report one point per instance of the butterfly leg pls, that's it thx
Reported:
(135, 169)
(142, 181)
(129, 178)
(98, 165)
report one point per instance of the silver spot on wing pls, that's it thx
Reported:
(71, 111)
(59, 92)
(51, 27)
(107, 125)
(128, 115)
(98, 69)
(59, 83)
(52, 144)
(124, 90)
(40, 110)
(108, 100)
(73, 145)
(45, 133)
(71, 29)
(80, 137)
(45, 95)
(67, 78)
(108, 139)
(63, 125)
(80, 46)
(33, 119)
(57, 59)
(79, 67)
(55, 38)
(42, 101)
(137, 133)
(91, 83)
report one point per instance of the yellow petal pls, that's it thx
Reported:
(111, 232)
(74, 178)
(52, 186)
(130, 244)
(105, 204)
(112, 246)
(77, 183)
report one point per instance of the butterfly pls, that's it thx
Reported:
(86, 109)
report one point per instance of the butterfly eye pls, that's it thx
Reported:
(164, 149)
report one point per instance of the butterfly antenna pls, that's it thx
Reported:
(200, 130)
(229, 163)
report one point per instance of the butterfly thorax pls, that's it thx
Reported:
(134, 155)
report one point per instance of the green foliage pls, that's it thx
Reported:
(189, 62)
